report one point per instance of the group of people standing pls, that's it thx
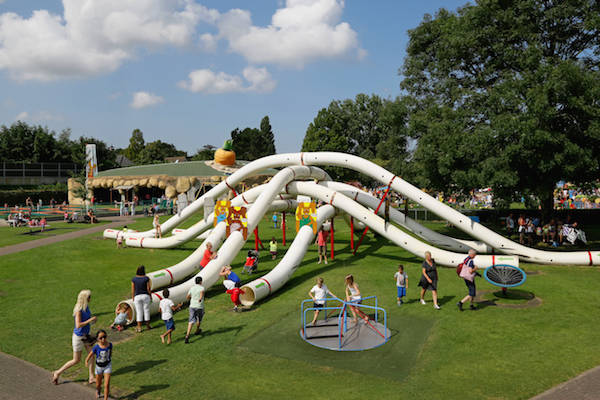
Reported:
(429, 281)
(532, 230)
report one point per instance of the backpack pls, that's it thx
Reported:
(460, 266)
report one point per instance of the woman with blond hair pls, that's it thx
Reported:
(353, 296)
(429, 279)
(81, 335)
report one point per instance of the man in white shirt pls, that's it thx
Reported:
(319, 293)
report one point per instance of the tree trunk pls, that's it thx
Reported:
(547, 204)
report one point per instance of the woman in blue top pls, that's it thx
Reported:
(83, 319)
(140, 294)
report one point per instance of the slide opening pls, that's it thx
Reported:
(248, 297)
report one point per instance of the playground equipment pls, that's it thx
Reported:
(337, 333)
(475, 229)
(505, 276)
(298, 167)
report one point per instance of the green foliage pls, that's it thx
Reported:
(21, 142)
(136, 146)
(17, 196)
(251, 143)
(368, 126)
(505, 93)
(140, 152)
(207, 152)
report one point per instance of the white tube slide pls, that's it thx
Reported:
(278, 276)
(389, 231)
(378, 173)
(168, 276)
(433, 237)
(262, 287)
(235, 241)
(198, 228)
(203, 235)
(253, 168)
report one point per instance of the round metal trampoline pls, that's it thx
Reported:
(505, 275)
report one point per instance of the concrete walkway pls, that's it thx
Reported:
(24, 381)
(583, 387)
(116, 222)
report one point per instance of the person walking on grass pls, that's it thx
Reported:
(156, 225)
(319, 293)
(468, 273)
(429, 279)
(166, 308)
(322, 243)
(81, 333)
(140, 294)
(103, 351)
(401, 283)
(196, 298)
(273, 248)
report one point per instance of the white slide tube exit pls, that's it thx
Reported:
(262, 287)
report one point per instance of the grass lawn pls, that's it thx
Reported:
(491, 353)
(10, 236)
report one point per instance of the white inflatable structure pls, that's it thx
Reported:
(337, 196)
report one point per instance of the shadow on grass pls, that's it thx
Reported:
(138, 367)
(143, 390)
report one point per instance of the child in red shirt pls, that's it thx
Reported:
(235, 294)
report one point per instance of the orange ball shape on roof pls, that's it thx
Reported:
(225, 155)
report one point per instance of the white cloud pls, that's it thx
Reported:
(204, 80)
(208, 42)
(300, 32)
(22, 116)
(145, 99)
(38, 117)
(94, 37)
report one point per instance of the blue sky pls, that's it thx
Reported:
(189, 72)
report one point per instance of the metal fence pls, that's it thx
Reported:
(44, 169)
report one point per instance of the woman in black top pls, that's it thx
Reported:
(140, 294)
(429, 279)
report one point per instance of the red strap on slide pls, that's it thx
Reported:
(590, 254)
(232, 189)
(157, 295)
(268, 284)
(493, 260)
(170, 274)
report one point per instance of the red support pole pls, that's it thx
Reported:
(376, 211)
(332, 239)
(283, 227)
(351, 233)
(256, 238)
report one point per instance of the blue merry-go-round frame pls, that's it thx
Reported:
(504, 285)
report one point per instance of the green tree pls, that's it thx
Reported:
(136, 146)
(207, 152)
(251, 143)
(368, 126)
(506, 93)
(157, 151)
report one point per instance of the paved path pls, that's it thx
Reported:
(116, 221)
(20, 380)
(583, 387)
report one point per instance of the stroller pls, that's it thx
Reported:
(251, 262)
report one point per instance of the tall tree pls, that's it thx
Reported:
(251, 143)
(506, 93)
(136, 146)
(367, 126)
(157, 151)
(207, 152)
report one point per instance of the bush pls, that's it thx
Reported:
(18, 196)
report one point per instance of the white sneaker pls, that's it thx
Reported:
(437, 307)
(325, 261)
(423, 301)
